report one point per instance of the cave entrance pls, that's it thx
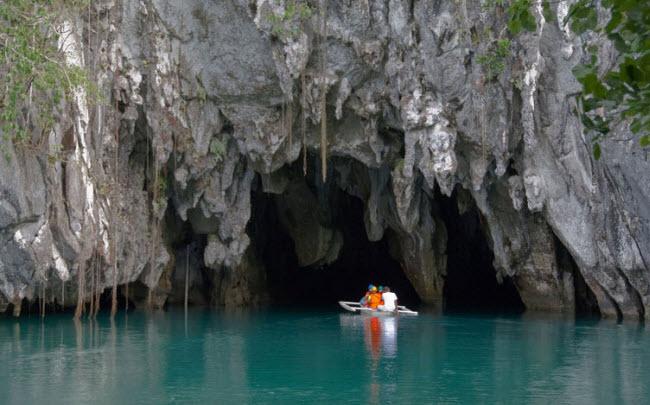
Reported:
(471, 282)
(359, 261)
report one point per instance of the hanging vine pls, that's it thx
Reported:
(114, 210)
(303, 123)
(289, 124)
(81, 282)
(154, 225)
(323, 90)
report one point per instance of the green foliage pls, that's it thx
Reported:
(163, 183)
(35, 76)
(622, 92)
(494, 60)
(583, 16)
(597, 151)
(289, 24)
(520, 18)
(547, 11)
(645, 140)
(218, 149)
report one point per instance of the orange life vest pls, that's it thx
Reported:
(374, 300)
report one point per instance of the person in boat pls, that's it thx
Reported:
(374, 299)
(389, 300)
(365, 301)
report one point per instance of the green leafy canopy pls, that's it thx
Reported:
(35, 76)
(623, 91)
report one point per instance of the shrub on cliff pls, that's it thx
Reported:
(36, 78)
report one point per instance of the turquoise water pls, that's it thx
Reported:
(324, 357)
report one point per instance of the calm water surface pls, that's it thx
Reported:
(325, 357)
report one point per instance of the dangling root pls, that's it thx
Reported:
(43, 300)
(290, 125)
(93, 267)
(115, 213)
(187, 278)
(81, 276)
(126, 297)
(96, 288)
(303, 125)
(323, 92)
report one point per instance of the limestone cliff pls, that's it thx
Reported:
(203, 101)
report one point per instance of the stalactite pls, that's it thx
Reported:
(303, 123)
(323, 90)
(62, 294)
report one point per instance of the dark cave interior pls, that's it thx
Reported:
(471, 282)
(359, 263)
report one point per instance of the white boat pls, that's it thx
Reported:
(360, 309)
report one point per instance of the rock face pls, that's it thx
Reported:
(206, 97)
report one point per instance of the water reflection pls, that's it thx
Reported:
(309, 357)
(380, 341)
(380, 334)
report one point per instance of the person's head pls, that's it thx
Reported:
(370, 287)
(380, 289)
(386, 289)
(373, 289)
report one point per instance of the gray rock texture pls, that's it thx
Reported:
(204, 97)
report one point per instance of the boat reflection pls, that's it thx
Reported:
(379, 333)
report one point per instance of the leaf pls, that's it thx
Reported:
(644, 141)
(583, 16)
(635, 126)
(590, 104)
(547, 11)
(629, 72)
(587, 122)
(528, 21)
(619, 42)
(597, 151)
(614, 22)
(581, 71)
(514, 26)
(592, 85)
